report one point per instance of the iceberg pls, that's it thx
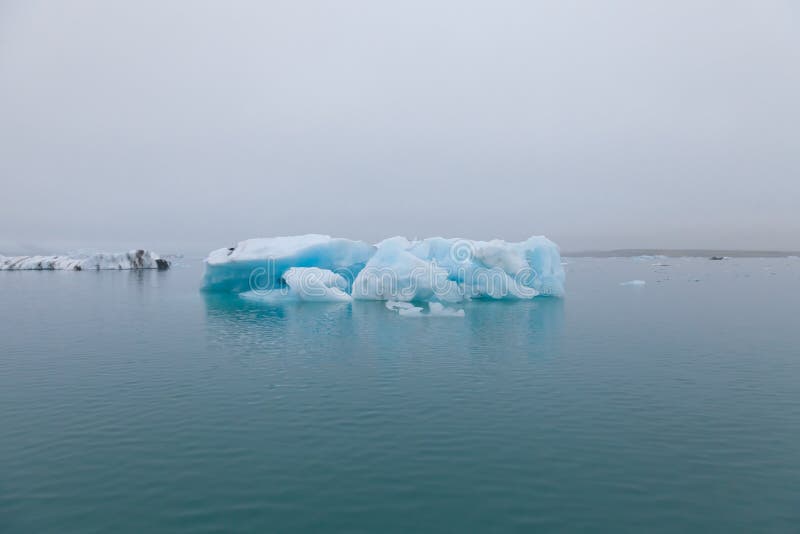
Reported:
(260, 264)
(451, 270)
(134, 259)
(322, 268)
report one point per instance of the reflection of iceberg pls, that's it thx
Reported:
(529, 328)
(317, 267)
(534, 327)
(135, 259)
(236, 324)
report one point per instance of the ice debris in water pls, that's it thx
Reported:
(397, 305)
(633, 283)
(319, 267)
(135, 259)
(435, 309)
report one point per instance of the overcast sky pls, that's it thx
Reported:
(602, 124)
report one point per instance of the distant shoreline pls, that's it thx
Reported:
(679, 253)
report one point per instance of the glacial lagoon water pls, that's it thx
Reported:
(133, 402)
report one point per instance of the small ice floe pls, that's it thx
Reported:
(399, 305)
(413, 311)
(435, 309)
(633, 283)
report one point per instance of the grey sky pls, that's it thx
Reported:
(598, 123)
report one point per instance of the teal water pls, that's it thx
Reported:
(132, 402)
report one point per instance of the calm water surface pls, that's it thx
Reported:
(131, 402)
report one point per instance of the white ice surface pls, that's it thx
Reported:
(135, 259)
(435, 309)
(314, 284)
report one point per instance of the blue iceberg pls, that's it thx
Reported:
(321, 268)
(259, 264)
(451, 270)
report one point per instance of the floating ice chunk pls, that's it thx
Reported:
(450, 270)
(396, 269)
(135, 259)
(633, 283)
(437, 309)
(309, 284)
(413, 311)
(397, 305)
(261, 263)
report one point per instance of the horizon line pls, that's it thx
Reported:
(681, 252)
